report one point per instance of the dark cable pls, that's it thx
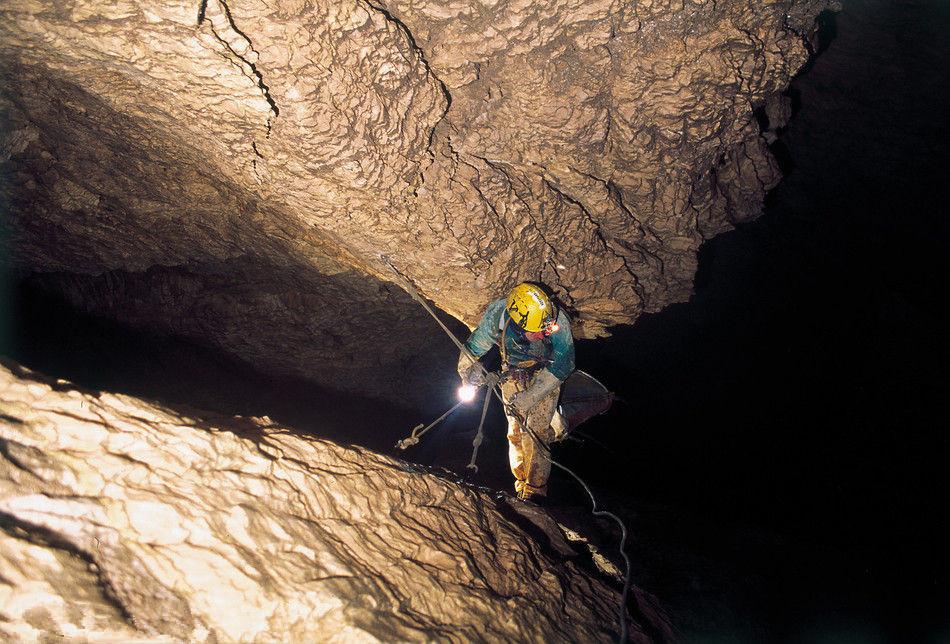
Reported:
(597, 513)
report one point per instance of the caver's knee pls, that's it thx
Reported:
(514, 427)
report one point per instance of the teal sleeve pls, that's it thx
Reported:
(562, 364)
(486, 334)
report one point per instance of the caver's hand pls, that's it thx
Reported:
(475, 376)
(470, 370)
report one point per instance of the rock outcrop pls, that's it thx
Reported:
(123, 520)
(231, 163)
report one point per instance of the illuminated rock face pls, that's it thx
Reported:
(124, 520)
(245, 166)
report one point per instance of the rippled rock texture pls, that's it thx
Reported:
(236, 172)
(121, 519)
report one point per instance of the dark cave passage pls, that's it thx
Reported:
(47, 335)
(802, 387)
(780, 451)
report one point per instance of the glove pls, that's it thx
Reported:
(544, 383)
(470, 370)
(474, 376)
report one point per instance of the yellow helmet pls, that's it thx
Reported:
(530, 307)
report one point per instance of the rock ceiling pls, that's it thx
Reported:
(238, 172)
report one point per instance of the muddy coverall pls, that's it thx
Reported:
(525, 364)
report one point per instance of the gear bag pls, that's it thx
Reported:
(582, 398)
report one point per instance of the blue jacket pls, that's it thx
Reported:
(557, 349)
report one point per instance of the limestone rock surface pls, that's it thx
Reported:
(124, 521)
(293, 149)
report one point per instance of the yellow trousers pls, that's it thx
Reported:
(529, 461)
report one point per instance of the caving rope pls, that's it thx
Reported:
(491, 383)
(418, 430)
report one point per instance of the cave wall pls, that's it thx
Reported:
(122, 520)
(269, 158)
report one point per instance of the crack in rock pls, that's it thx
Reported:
(239, 40)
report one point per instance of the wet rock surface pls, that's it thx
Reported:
(189, 147)
(122, 519)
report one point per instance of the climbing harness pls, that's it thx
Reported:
(492, 381)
